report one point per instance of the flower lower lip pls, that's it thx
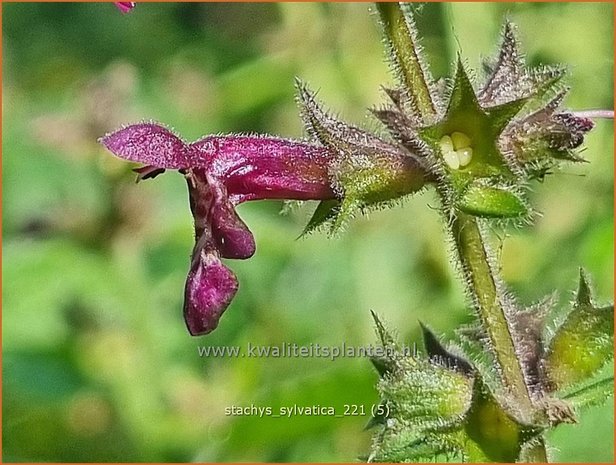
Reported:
(210, 287)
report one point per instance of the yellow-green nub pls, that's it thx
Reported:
(456, 150)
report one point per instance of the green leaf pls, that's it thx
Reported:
(584, 343)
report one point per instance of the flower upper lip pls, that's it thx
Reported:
(261, 167)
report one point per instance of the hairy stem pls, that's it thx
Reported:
(480, 279)
(481, 282)
(406, 53)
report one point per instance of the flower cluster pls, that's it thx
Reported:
(479, 149)
(447, 401)
(484, 141)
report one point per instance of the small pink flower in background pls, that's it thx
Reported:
(125, 7)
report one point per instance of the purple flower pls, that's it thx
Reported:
(125, 7)
(222, 172)
(346, 168)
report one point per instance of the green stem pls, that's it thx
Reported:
(399, 32)
(480, 278)
(481, 282)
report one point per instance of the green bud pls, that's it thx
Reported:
(489, 426)
(426, 392)
(491, 202)
(583, 344)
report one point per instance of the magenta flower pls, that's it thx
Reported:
(222, 172)
(346, 168)
(125, 7)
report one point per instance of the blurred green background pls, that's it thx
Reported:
(97, 363)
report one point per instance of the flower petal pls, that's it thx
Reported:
(568, 131)
(151, 144)
(210, 287)
(232, 236)
(213, 211)
(257, 167)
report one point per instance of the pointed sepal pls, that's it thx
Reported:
(366, 170)
(501, 115)
(402, 129)
(379, 416)
(463, 94)
(387, 361)
(509, 78)
(479, 156)
(440, 355)
(325, 212)
(584, 343)
(527, 326)
(506, 69)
